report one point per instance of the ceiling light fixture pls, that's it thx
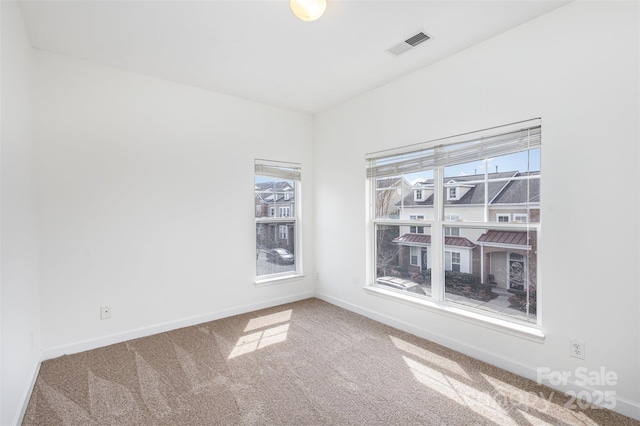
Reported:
(308, 10)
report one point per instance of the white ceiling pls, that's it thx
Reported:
(258, 50)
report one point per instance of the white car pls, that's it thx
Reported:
(401, 284)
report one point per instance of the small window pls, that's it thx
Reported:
(452, 194)
(452, 261)
(283, 232)
(503, 217)
(416, 229)
(455, 261)
(418, 194)
(451, 231)
(277, 236)
(415, 253)
(522, 218)
(285, 211)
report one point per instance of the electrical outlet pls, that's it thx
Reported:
(576, 348)
(105, 311)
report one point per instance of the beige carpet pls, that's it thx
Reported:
(305, 363)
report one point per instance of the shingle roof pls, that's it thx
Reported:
(516, 191)
(389, 182)
(426, 239)
(517, 238)
(265, 191)
(267, 186)
(503, 192)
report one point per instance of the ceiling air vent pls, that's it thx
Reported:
(409, 43)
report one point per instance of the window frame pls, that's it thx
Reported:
(527, 330)
(290, 172)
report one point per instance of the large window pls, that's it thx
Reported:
(487, 263)
(276, 191)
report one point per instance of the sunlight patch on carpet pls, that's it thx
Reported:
(535, 420)
(442, 362)
(467, 396)
(268, 320)
(258, 340)
(539, 403)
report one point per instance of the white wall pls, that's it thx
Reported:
(19, 294)
(147, 202)
(136, 174)
(577, 68)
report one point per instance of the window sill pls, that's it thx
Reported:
(272, 280)
(522, 331)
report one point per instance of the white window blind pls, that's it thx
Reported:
(277, 169)
(457, 150)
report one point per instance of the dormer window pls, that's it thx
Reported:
(418, 195)
(287, 196)
(456, 190)
(452, 193)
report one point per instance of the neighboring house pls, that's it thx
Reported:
(277, 200)
(499, 257)
(458, 252)
(274, 199)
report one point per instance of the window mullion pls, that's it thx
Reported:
(486, 190)
(437, 238)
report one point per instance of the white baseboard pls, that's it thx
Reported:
(622, 405)
(99, 342)
(26, 396)
(628, 408)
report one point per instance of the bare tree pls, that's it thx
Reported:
(385, 197)
(387, 250)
